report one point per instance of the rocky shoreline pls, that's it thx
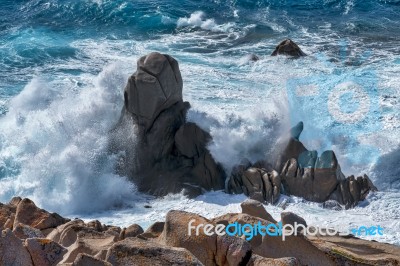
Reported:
(33, 236)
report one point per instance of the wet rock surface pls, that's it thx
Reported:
(288, 47)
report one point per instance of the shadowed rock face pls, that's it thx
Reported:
(169, 154)
(320, 178)
(156, 86)
(301, 173)
(288, 47)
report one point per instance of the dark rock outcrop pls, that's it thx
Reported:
(253, 57)
(169, 154)
(156, 86)
(288, 47)
(318, 179)
(301, 173)
(256, 183)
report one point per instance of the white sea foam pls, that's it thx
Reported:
(57, 142)
(197, 19)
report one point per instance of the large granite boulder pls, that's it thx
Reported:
(242, 219)
(28, 213)
(288, 47)
(168, 154)
(350, 250)
(131, 231)
(23, 231)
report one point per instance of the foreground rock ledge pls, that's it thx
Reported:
(168, 243)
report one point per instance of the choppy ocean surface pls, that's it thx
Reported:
(64, 64)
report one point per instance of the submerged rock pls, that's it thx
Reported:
(288, 47)
(169, 154)
(253, 58)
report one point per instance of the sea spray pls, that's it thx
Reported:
(55, 142)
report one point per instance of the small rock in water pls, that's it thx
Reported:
(253, 57)
(288, 47)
